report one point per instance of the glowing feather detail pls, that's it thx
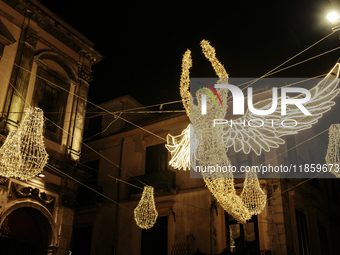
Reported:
(245, 138)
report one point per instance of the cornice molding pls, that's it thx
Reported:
(55, 26)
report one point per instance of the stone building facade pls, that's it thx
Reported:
(45, 63)
(300, 216)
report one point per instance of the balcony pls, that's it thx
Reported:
(162, 181)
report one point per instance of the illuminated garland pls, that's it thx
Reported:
(145, 212)
(333, 150)
(23, 154)
(252, 195)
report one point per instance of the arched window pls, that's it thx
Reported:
(51, 91)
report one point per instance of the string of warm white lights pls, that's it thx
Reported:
(23, 154)
(252, 195)
(145, 212)
(333, 150)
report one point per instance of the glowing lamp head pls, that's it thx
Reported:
(333, 17)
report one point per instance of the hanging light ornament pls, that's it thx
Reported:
(145, 212)
(333, 150)
(23, 154)
(252, 195)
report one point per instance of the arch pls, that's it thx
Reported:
(38, 212)
(60, 60)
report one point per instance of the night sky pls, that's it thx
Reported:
(143, 43)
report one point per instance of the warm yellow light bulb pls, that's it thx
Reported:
(332, 17)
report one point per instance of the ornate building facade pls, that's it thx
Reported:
(45, 63)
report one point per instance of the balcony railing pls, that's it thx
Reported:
(162, 181)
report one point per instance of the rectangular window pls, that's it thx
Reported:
(301, 225)
(48, 102)
(93, 128)
(51, 97)
(82, 239)
(156, 159)
(323, 240)
(155, 239)
(85, 196)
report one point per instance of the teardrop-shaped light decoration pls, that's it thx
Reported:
(333, 150)
(145, 212)
(23, 155)
(252, 195)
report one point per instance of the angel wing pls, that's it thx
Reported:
(268, 135)
(182, 148)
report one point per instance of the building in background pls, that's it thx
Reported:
(300, 216)
(46, 63)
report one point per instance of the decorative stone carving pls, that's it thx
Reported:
(19, 191)
(31, 38)
(88, 55)
(85, 74)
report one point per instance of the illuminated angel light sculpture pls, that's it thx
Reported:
(246, 138)
(242, 138)
(252, 195)
(145, 212)
(333, 150)
(23, 154)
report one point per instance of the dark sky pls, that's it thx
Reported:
(143, 42)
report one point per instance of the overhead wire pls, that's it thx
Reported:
(296, 55)
(320, 133)
(269, 73)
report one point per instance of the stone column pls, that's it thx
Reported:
(15, 100)
(79, 106)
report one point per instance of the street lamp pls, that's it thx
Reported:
(334, 18)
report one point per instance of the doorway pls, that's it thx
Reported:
(25, 231)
